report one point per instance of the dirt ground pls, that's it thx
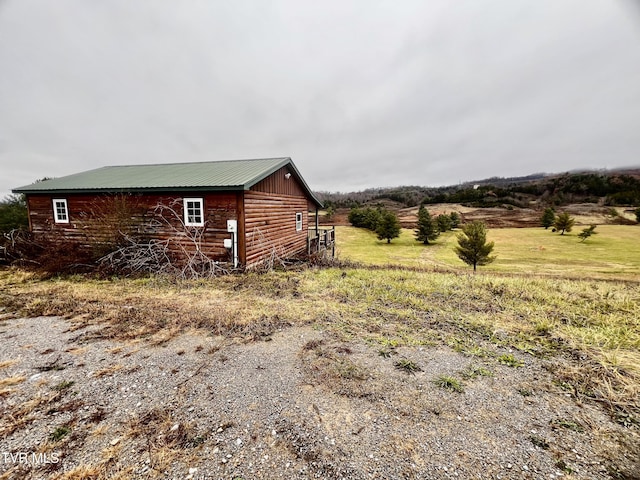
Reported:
(296, 404)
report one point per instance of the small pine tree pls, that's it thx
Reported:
(427, 229)
(330, 212)
(563, 223)
(455, 220)
(388, 226)
(473, 248)
(444, 222)
(587, 232)
(548, 217)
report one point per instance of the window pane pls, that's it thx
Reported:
(193, 211)
(60, 211)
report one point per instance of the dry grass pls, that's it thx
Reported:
(593, 324)
(10, 381)
(108, 371)
(26, 412)
(167, 439)
(8, 363)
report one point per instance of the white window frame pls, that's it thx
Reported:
(56, 214)
(186, 202)
(299, 221)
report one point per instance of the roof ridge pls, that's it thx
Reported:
(195, 162)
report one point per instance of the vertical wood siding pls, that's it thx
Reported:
(278, 183)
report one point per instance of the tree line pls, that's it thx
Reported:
(615, 188)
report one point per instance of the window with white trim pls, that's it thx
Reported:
(60, 210)
(298, 221)
(193, 212)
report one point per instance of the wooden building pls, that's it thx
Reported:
(237, 211)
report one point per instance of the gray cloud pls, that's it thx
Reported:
(359, 93)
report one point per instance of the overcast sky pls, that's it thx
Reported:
(359, 93)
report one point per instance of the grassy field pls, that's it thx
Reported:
(613, 253)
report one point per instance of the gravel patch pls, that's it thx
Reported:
(297, 404)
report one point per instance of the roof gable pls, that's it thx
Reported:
(221, 176)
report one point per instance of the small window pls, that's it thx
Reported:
(298, 221)
(193, 212)
(60, 210)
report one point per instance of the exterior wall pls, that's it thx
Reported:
(278, 183)
(97, 218)
(270, 226)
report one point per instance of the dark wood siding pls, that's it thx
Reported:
(270, 226)
(94, 218)
(278, 183)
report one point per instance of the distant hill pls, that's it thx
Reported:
(606, 187)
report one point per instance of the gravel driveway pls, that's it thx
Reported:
(296, 404)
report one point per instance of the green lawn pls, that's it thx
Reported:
(614, 252)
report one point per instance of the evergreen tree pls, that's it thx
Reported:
(548, 217)
(373, 217)
(388, 227)
(587, 232)
(473, 248)
(444, 222)
(564, 223)
(455, 220)
(365, 218)
(637, 212)
(330, 212)
(427, 229)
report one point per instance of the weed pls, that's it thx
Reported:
(473, 371)
(539, 442)
(312, 345)
(64, 385)
(59, 433)
(71, 406)
(476, 351)
(449, 383)
(386, 353)
(626, 419)
(543, 327)
(509, 360)
(568, 424)
(524, 392)
(408, 366)
(97, 416)
(561, 465)
(52, 366)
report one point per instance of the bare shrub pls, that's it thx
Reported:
(139, 257)
(45, 255)
(186, 245)
(111, 222)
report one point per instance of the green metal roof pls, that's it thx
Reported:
(221, 175)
